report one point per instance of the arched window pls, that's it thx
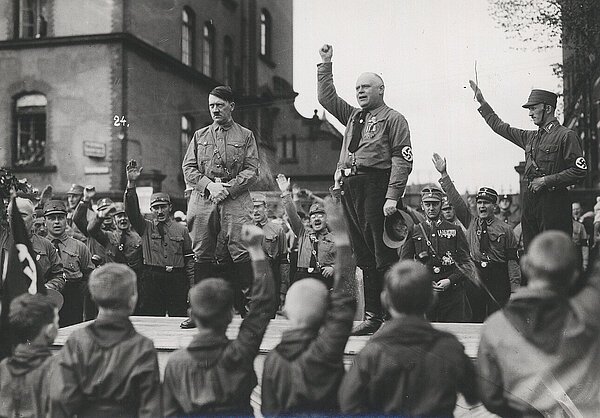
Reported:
(187, 36)
(208, 49)
(265, 34)
(187, 131)
(30, 139)
(32, 23)
(228, 61)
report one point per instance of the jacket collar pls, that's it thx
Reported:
(295, 341)
(208, 339)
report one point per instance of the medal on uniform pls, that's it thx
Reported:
(484, 264)
(311, 269)
(436, 269)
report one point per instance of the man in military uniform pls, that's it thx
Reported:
(74, 197)
(493, 247)
(553, 161)
(507, 215)
(77, 265)
(84, 214)
(443, 248)
(375, 160)
(220, 165)
(166, 249)
(449, 214)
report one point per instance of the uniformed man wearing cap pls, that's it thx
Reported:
(220, 165)
(166, 249)
(553, 161)
(442, 247)
(493, 247)
(375, 160)
(123, 245)
(46, 257)
(506, 214)
(316, 250)
(449, 214)
(77, 265)
(74, 197)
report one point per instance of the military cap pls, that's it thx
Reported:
(55, 206)
(487, 193)
(158, 198)
(506, 197)
(432, 194)
(316, 208)
(395, 228)
(104, 203)
(258, 198)
(119, 208)
(541, 96)
(446, 203)
(76, 189)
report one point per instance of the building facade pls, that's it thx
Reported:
(89, 84)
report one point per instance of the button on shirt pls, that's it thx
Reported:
(75, 257)
(385, 142)
(158, 250)
(228, 152)
(49, 262)
(554, 148)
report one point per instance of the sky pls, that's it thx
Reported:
(426, 50)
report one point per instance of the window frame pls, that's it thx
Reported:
(188, 29)
(36, 117)
(208, 49)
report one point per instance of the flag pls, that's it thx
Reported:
(20, 273)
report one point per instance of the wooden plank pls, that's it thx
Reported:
(168, 337)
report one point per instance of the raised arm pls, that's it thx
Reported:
(460, 207)
(94, 228)
(289, 206)
(328, 97)
(262, 300)
(519, 137)
(132, 204)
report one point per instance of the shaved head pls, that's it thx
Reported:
(551, 258)
(306, 303)
(369, 91)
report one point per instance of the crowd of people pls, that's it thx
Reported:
(533, 280)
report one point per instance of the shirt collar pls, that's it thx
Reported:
(63, 238)
(376, 111)
(208, 339)
(550, 125)
(224, 127)
(480, 221)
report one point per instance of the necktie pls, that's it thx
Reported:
(357, 128)
(55, 242)
(161, 229)
(313, 264)
(484, 238)
(120, 255)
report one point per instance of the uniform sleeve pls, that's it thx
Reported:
(95, 231)
(490, 382)
(80, 217)
(519, 137)
(148, 384)
(290, 210)
(407, 251)
(514, 271)
(353, 394)
(282, 243)
(328, 97)
(249, 171)
(460, 207)
(402, 157)
(576, 166)
(86, 261)
(132, 209)
(56, 278)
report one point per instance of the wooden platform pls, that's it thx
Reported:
(168, 337)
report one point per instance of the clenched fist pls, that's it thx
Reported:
(326, 53)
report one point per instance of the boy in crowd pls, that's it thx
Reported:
(107, 368)
(303, 373)
(25, 376)
(213, 375)
(408, 368)
(555, 335)
(316, 252)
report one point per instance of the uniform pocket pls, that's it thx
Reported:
(547, 153)
(271, 245)
(71, 262)
(235, 150)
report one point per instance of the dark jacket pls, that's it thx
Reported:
(25, 381)
(408, 368)
(303, 373)
(213, 375)
(107, 369)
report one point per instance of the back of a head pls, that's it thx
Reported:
(112, 286)
(306, 303)
(211, 302)
(28, 314)
(408, 285)
(551, 257)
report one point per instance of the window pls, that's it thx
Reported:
(228, 61)
(32, 23)
(187, 131)
(208, 49)
(187, 36)
(30, 141)
(265, 34)
(288, 149)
